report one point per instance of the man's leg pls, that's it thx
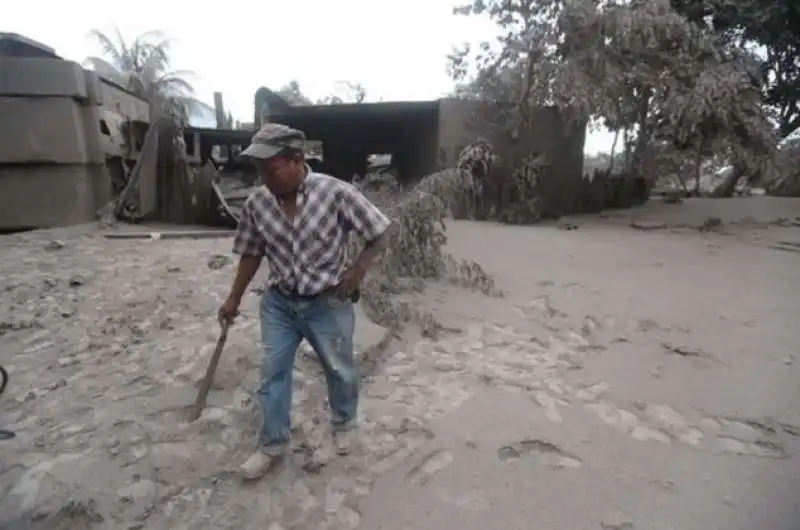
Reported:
(329, 325)
(280, 338)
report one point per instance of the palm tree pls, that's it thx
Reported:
(143, 66)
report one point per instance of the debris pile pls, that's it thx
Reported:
(415, 250)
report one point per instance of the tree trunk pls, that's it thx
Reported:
(613, 152)
(697, 162)
(682, 182)
(626, 155)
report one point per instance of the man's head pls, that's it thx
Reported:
(277, 154)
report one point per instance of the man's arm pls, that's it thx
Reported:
(250, 245)
(245, 271)
(372, 249)
(368, 221)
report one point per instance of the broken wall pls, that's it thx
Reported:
(52, 154)
(350, 132)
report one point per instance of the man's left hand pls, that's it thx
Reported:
(348, 286)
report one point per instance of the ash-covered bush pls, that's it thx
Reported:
(416, 247)
(784, 180)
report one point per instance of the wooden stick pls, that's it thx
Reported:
(171, 234)
(200, 402)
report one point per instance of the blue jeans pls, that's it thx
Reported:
(327, 323)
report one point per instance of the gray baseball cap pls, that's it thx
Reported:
(271, 139)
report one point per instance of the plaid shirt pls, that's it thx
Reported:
(307, 255)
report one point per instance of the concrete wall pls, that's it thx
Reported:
(462, 122)
(123, 102)
(35, 196)
(46, 130)
(561, 183)
(417, 156)
(455, 132)
(16, 45)
(52, 151)
(36, 77)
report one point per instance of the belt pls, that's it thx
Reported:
(294, 295)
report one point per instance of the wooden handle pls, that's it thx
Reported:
(202, 394)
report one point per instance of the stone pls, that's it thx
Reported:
(76, 280)
(138, 492)
(218, 261)
(566, 224)
(616, 523)
(55, 244)
(710, 223)
(648, 225)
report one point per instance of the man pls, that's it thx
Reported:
(299, 221)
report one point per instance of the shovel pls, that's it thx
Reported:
(200, 402)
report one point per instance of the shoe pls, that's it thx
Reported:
(261, 461)
(345, 441)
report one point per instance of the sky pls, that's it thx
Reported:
(397, 50)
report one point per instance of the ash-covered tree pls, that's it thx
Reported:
(293, 95)
(640, 68)
(346, 92)
(142, 65)
(771, 28)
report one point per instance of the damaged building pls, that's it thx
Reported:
(61, 145)
(72, 138)
(422, 137)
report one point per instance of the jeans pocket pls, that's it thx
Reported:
(334, 302)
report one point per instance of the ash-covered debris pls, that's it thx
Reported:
(416, 251)
(104, 341)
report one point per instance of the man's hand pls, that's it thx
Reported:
(349, 283)
(229, 310)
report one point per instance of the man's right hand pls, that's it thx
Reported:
(229, 310)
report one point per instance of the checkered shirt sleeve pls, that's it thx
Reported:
(363, 216)
(248, 241)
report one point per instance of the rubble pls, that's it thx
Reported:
(109, 344)
(102, 373)
(218, 261)
(106, 340)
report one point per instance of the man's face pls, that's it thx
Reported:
(280, 174)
